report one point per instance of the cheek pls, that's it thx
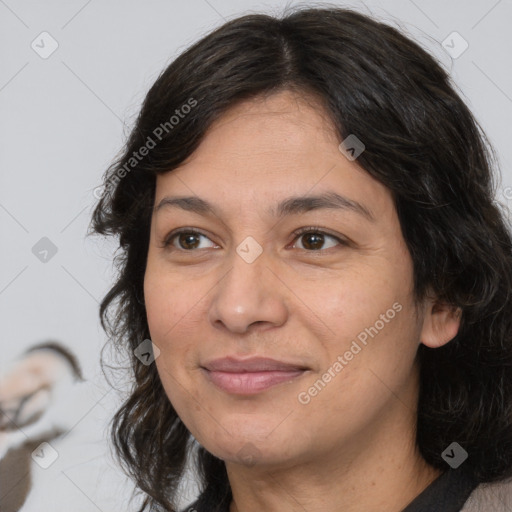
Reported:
(167, 302)
(369, 320)
(170, 308)
(167, 319)
(355, 302)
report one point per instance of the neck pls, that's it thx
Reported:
(390, 489)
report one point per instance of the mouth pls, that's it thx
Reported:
(250, 376)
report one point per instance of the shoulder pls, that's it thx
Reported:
(490, 496)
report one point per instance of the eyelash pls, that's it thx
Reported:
(305, 230)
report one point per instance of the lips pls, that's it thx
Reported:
(254, 364)
(250, 376)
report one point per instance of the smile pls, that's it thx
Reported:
(249, 383)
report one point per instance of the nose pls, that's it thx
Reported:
(249, 295)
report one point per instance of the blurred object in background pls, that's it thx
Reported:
(31, 393)
(53, 444)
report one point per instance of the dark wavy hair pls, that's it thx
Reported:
(422, 143)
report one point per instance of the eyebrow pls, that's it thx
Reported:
(289, 206)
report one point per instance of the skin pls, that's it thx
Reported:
(351, 447)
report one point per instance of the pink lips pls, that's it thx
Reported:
(250, 376)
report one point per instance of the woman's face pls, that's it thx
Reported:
(333, 305)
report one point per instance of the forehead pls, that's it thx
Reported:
(283, 123)
(268, 148)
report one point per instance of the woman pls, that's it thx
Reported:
(311, 242)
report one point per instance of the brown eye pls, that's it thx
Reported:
(185, 240)
(314, 240)
(188, 241)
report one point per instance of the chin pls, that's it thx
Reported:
(248, 443)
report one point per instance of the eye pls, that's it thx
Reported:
(186, 238)
(314, 239)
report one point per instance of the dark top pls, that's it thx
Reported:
(447, 493)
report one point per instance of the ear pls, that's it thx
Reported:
(441, 323)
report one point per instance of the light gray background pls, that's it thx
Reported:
(64, 118)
